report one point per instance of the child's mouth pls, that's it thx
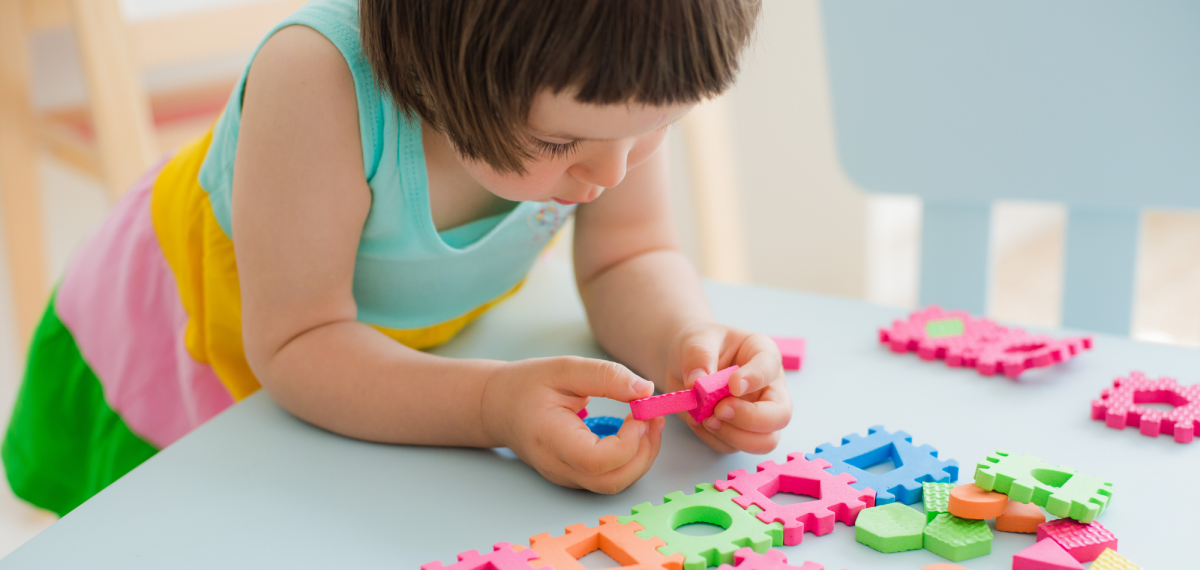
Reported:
(563, 202)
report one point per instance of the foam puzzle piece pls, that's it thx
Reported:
(962, 340)
(944, 566)
(1118, 406)
(1060, 490)
(914, 465)
(663, 404)
(891, 528)
(958, 539)
(708, 505)
(1045, 555)
(1084, 542)
(747, 559)
(583, 414)
(970, 502)
(1020, 517)
(709, 391)
(835, 498)
(504, 556)
(618, 541)
(1110, 560)
(936, 497)
(792, 350)
(604, 426)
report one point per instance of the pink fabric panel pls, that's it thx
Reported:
(120, 301)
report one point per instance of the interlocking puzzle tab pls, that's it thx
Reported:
(1060, 490)
(792, 350)
(1119, 406)
(706, 505)
(698, 401)
(1084, 542)
(835, 498)
(617, 540)
(504, 556)
(747, 559)
(963, 340)
(914, 465)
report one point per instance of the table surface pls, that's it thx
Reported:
(256, 487)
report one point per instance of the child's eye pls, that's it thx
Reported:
(556, 150)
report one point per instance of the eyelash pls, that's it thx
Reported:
(560, 150)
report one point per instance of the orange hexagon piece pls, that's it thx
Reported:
(617, 540)
(971, 502)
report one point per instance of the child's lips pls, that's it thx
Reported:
(564, 202)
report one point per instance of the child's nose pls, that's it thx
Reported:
(605, 169)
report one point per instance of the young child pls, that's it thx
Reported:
(385, 173)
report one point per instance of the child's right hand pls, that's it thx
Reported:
(530, 406)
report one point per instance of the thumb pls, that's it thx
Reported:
(698, 354)
(602, 378)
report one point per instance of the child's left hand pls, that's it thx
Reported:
(751, 420)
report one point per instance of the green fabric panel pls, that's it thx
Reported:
(64, 443)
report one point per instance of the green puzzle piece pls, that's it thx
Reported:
(1061, 491)
(956, 538)
(742, 527)
(936, 498)
(944, 328)
(894, 527)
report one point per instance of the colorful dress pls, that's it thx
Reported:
(141, 342)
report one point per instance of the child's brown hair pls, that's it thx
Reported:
(471, 68)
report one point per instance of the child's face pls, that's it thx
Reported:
(580, 149)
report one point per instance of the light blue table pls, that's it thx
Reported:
(257, 488)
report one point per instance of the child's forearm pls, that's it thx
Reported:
(638, 306)
(351, 379)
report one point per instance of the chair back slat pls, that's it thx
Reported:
(954, 254)
(1100, 268)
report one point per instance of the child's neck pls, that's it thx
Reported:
(455, 198)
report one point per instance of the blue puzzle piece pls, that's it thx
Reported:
(914, 465)
(603, 426)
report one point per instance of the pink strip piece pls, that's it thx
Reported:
(709, 391)
(792, 350)
(121, 303)
(663, 404)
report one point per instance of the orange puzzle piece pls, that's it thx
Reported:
(1020, 517)
(617, 540)
(971, 502)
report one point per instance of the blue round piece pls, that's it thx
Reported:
(603, 426)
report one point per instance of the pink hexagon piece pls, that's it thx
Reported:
(1084, 542)
(504, 556)
(747, 559)
(835, 498)
(1118, 406)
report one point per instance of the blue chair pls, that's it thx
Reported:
(1094, 103)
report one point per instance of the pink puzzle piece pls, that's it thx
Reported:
(792, 350)
(1045, 555)
(699, 401)
(747, 559)
(1118, 406)
(504, 556)
(835, 498)
(1084, 542)
(582, 414)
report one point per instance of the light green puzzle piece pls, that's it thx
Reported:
(936, 498)
(1060, 490)
(956, 538)
(893, 527)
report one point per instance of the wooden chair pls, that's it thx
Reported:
(123, 129)
(963, 103)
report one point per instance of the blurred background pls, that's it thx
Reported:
(761, 195)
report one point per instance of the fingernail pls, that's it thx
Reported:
(713, 424)
(642, 430)
(743, 386)
(726, 413)
(696, 375)
(660, 427)
(641, 385)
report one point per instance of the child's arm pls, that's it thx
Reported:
(299, 204)
(647, 309)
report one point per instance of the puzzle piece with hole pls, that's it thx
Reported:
(619, 541)
(1119, 406)
(1060, 490)
(504, 556)
(913, 465)
(747, 559)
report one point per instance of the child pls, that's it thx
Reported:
(386, 172)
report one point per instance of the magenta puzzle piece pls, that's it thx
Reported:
(505, 556)
(699, 401)
(747, 559)
(1118, 406)
(1084, 542)
(710, 390)
(792, 350)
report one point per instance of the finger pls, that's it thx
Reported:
(580, 449)
(742, 440)
(705, 435)
(699, 353)
(622, 477)
(763, 365)
(772, 411)
(601, 378)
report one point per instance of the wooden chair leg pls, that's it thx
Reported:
(19, 187)
(120, 107)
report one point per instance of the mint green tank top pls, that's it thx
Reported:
(407, 275)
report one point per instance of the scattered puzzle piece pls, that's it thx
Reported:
(1110, 560)
(792, 350)
(943, 566)
(1045, 555)
(958, 539)
(1118, 406)
(914, 465)
(1061, 491)
(835, 498)
(617, 540)
(709, 506)
(1020, 517)
(891, 528)
(1084, 542)
(937, 499)
(504, 556)
(970, 502)
(747, 559)
(604, 426)
(698, 401)
(710, 390)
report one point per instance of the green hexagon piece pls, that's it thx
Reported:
(893, 527)
(937, 499)
(956, 538)
(708, 505)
